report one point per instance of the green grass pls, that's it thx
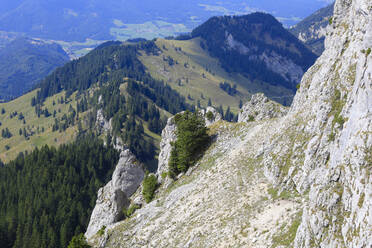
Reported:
(18, 143)
(196, 73)
(288, 233)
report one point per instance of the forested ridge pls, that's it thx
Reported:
(47, 196)
(107, 68)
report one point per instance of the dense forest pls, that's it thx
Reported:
(47, 196)
(253, 31)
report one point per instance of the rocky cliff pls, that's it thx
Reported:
(300, 180)
(114, 197)
(261, 108)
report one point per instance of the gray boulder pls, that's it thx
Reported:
(113, 197)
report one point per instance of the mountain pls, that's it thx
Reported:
(53, 130)
(24, 62)
(116, 100)
(79, 20)
(312, 30)
(295, 177)
(257, 46)
(185, 66)
(122, 93)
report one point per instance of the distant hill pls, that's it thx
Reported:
(312, 31)
(256, 46)
(24, 62)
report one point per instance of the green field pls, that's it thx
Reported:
(42, 127)
(11, 147)
(147, 30)
(197, 74)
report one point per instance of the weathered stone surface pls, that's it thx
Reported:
(261, 108)
(216, 116)
(168, 136)
(113, 197)
(323, 144)
(103, 125)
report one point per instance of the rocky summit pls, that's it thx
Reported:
(278, 179)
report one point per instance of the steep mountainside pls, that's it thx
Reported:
(299, 180)
(24, 62)
(258, 46)
(312, 30)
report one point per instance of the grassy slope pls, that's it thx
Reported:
(198, 62)
(18, 143)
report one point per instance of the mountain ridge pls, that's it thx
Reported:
(301, 180)
(254, 39)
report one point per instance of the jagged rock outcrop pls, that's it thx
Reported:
(113, 197)
(168, 136)
(302, 180)
(261, 108)
(103, 125)
(211, 116)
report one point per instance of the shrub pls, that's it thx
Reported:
(78, 241)
(164, 175)
(209, 116)
(368, 52)
(128, 212)
(101, 231)
(250, 118)
(330, 21)
(150, 183)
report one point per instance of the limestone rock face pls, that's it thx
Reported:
(324, 144)
(214, 117)
(168, 135)
(113, 197)
(102, 124)
(261, 108)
